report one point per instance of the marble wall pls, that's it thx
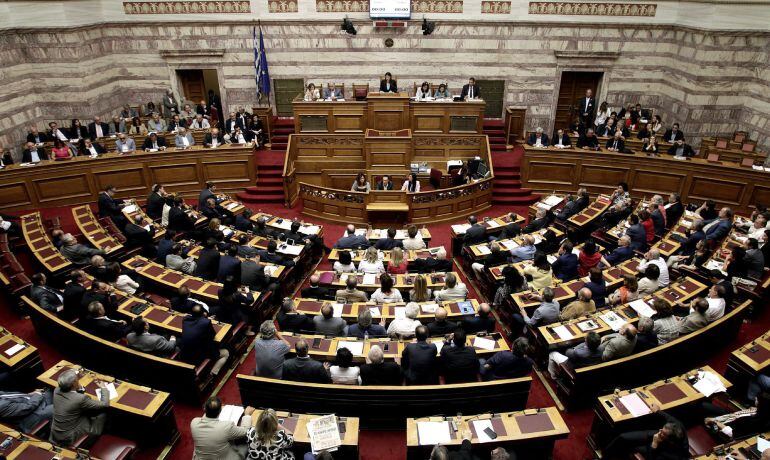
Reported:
(711, 82)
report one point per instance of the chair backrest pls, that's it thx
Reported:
(360, 91)
(721, 143)
(748, 146)
(747, 162)
(739, 136)
(341, 87)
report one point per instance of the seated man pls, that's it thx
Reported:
(197, 341)
(546, 313)
(156, 123)
(458, 361)
(562, 140)
(581, 355)
(377, 371)
(653, 257)
(435, 262)
(619, 344)
(327, 324)
(125, 144)
(385, 183)
(440, 325)
(697, 319)
(303, 368)
(565, 267)
(112, 207)
(141, 339)
(716, 302)
(229, 264)
(579, 307)
(418, 360)
(414, 239)
(93, 148)
(365, 327)
(74, 412)
(538, 138)
(100, 325)
(351, 293)
(271, 256)
(77, 253)
(508, 364)
(139, 236)
(25, 410)
(540, 222)
(588, 141)
(454, 290)
(183, 139)
(154, 143)
(200, 122)
(314, 291)
(214, 211)
(484, 321)
(475, 234)
(405, 327)
(208, 261)
(622, 253)
(389, 242)
(290, 320)
(616, 144)
(524, 252)
(270, 352)
(213, 139)
(219, 439)
(669, 442)
(46, 297)
(352, 241)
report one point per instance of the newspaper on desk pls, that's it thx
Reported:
(552, 201)
(432, 433)
(612, 319)
(708, 384)
(484, 343)
(231, 413)
(635, 405)
(111, 391)
(130, 208)
(460, 228)
(324, 433)
(309, 229)
(483, 249)
(642, 308)
(355, 347)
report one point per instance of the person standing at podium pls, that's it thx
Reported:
(361, 184)
(388, 84)
(470, 91)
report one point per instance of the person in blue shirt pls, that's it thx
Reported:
(622, 253)
(508, 364)
(526, 251)
(565, 267)
(597, 286)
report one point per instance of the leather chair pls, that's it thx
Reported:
(109, 447)
(701, 442)
(435, 178)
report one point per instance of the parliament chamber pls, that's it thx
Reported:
(465, 229)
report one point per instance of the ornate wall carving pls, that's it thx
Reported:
(447, 141)
(188, 7)
(593, 8)
(495, 7)
(437, 6)
(305, 140)
(282, 6)
(342, 6)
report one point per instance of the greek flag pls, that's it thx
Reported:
(260, 66)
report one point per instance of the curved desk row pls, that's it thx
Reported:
(695, 179)
(79, 181)
(385, 406)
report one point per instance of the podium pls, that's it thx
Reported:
(388, 111)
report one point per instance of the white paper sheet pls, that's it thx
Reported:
(563, 332)
(232, 205)
(552, 200)
(231, 413)
(369, 278)
(285, 225)
(375, 311)
(309, 229)
(15, 349)
(324, 433)
(292, 250)
(641, 307)
(111, 391)
(484, 343)
(493, 223)
(551, 258)
(588, 325)
(708, 384)
(439, 345)
(762, 444)
(429, 307)
(576, 251)
(635, 405)
(337, 307)
(509, 244)
(400, 312)
(355, 347)
(432, 433)
(484, 249)
(130, 208)
(480, 426)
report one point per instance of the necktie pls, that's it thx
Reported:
(471, 92)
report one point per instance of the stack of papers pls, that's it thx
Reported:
(480, 426)
(552, 200)
(641, 307)
(708, 384)
(284, 224)
(15, 349)
(614, 321)
(635, 405)
(429, 307)
(111, 391)
(562, 332)
(493, 223)
(509, 244)
(432, 433)
(337, 307)
(324, 433)
(309, 229)
(130, 208)
(460, 228)
(484, 343)
(355, 347)
(484, 249)
(231, 413)
(232, 205)
(370, 278)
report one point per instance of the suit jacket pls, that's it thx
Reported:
(352, 242)
(158, 126)
(170, 105)
(179, 142)
(673, 213)
(73, 296)
(197, 340)
(570, 208)
(213, 438)
(658, 222)
(275, 258)
(253, 275)
(92, 130)
(466, 91)
(137, 236)
(535, 225)
(565, 140)
(316, 292)
(179, 220)
(351, 296)
(208, 139)
(585, 141)
(620, 254)
(129, 144)
(305, 370)
(72, 414)
(638, 236)
(679, 136)
(533, 139)
(294, 322)
(24, 410)
(99, 148)
(208, 264)
(386, 244)
(108, 206)
(26, 155)
(39, 139)
(479, 324)
(474, 235)
(419, 363)
(565, 267)
(161, 141)
(581, 356)
(619, 144)
(718, 231)
(151, 343)
(336, 93)
(230, 125)
(382, 186)
(204, 196)
(47, 298)
(393, 87)
(109, 302)
(155, 204)
(459, 365)
(229, 265)
(105, 328)
(586, 107)
(384, 373)
(79, 254)
(431, 265)
(616, 346)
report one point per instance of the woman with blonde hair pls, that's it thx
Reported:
(420, 292)
(398, 263)
(270, 440)
(371, 262)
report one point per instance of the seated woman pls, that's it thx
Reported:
(420, 292)
(149, 109)
(137, 127)
(540, 271)
(398, 262)
(463, 177)
(361, 184)
(589, 257)
(312, 93)
(77, 130)
(626, 293)
(345, 263)
(423, 92)
(388, 84)
(650, 145)
(411, 184)
(386, 293)
(343, 372)
(442, 92)
(61, 151)
(270, 440)
(371, 262)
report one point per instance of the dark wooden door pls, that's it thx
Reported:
(493, 93)
(192, 84)
(573, 87)
(286, 89)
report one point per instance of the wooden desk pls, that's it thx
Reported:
(492, 225)
(81, 179)
(387, 312)
(482, 250)
(40, 244)
(591, 214)
(749, 444)
(747, 362)
(447, 116)
(22, 363)
(172, 280)
(553, 202)
(696, 179)
(297, 425)
(388, 111)
(282, 225)
(134, 209)
(325, 349)
(531, 430)
(675, 394)
(376, 234)
(23, 447)
(406, 281)
(90, 227)
(141, 413)
(410, 255)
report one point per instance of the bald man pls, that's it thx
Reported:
(314, 291)
(440, 326)
(579, 307)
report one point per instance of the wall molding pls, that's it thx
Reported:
(495, 7)
(593, 9)
(282, 6)
(342, 6)
(188, 7)
(437, 6)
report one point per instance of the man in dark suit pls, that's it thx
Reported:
(214, 211)
(484, 321)
(388, 243)
(587, 108)
(271, 256)
(35, 136)
(622, 253)
(33, 154)
(233, 122)
(182, 301)
(475, 234)
(418, 360)
(694, 235)
(471, 90)
(290, 320)
(538, 223)
(213, 138)
(137, 236)
(562, 140)
(206, 193)
(718, 228)
(385, 183)
(588, 140)
(111, 207)
(178, 220)
(294, 234)
(674, 209)
(314, 291)
(153, 142)
(102, 293)
(565, 267)
(208, 261)
(616, 144)
(73, 296)
(636, 233)
(436, 262)
(351, 240)
(97, 129)
(243, 221)
(674, 135)
(155, 201)
(571, 207)
(197, 341)
(302, 368)
(459, 362)
(92, 148)
(46, 297)
(253, 275)
(538, 138)
(441, 326)
(229, 264)
(100, 325)
(378, 371)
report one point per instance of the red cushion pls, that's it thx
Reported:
(110, 447)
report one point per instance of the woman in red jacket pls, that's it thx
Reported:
(589, 257)
(649, 227)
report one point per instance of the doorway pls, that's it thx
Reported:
(493, 93)
(196, 84)
(573, 87)
(286, 89)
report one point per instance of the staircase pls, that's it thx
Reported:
(269, 186)
(506, 188)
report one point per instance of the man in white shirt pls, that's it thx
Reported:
(125, 144)
(454, 290)
(405, 327)
(652, 257)
(184, 140)
(92, 148)
(414, 239)
(200, 123)
(717, 303)
(57, 133)
(33, 154)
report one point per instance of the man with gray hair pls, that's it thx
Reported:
(365, 327)
(538, 138)
(405, 327)
(73, 412)
(579, 307)
(78, 254)
(377, 371)
(524, 252)
(290, 320)
(270, 352)
(652, 257)
(328, 324)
